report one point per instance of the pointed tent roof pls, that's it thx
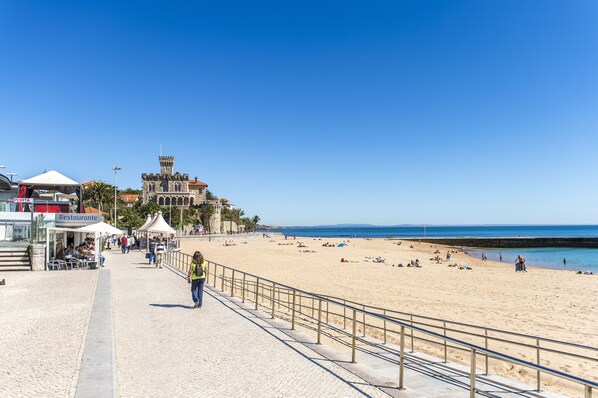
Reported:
(147, 222)
(51, 177)
(159, 225)
(51, 180)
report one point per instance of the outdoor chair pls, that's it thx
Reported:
(73, 263)
(57, 264)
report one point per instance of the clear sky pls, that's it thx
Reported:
(316, 112)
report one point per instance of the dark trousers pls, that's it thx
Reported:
(197, 290)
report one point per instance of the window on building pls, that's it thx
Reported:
(178, 187)
(152, 187)
(200, 190)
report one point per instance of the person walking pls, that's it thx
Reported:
(123, 244)
(152, 250)
(520, 264)
(197, 277)
(160, 249)
(130, 243)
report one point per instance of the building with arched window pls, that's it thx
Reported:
(172, 189)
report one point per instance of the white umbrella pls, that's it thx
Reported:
(101, 227)
(159, 225)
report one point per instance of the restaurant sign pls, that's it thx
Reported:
(22, 200)
(80, 219)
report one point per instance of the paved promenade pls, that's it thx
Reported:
(164, 347)
(43, 324)
(130, 330)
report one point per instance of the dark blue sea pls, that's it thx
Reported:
(577, 258)
(431, 231)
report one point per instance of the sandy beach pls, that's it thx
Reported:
(548, 303)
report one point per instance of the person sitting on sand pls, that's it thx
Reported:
(344, 261)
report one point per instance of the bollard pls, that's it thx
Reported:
(472, 374)
(319, 321)
(354, 337)
(402, 358)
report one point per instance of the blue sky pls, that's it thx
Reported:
(315, 112)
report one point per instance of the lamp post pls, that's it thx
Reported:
(116, 169)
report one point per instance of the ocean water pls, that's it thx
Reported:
(447, 231)
(577, 258)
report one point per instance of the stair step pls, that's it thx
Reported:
(10, 264)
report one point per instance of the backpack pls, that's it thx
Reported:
(199, 270)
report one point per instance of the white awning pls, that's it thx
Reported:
(159, 225)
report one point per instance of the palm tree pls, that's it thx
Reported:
(206, 214)
(236, 215)
(255, 220)
(97, 194)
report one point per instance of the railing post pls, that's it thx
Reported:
(486, 346)
(273, 298)
(243, 289)
(354, 337)
(327, 312)
(411, 333)
(215, 273)
(293, 311)
(257, 291)
(319, 321)
(363, 323)
(384, 326)
(207, 272)
(402, 358)
(538, 362)
(344, 315)
(472, 374)
(232, 285)
(588, 393)
(445, 345)
(222, 282)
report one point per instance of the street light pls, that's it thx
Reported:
(116, 169)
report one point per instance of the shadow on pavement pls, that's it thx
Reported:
(189, 307)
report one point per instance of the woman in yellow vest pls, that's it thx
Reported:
(197, 277)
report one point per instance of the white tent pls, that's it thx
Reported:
(159, 225)
(101, 227)
(50, 178)
(147, 222)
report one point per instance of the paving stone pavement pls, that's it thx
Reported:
(164, 347)
(43, 322)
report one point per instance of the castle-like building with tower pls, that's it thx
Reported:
(175, 189)
(170, 188)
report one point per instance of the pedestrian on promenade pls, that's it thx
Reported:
(197, 277)
(130, 243)
(123, 244)
(160, 249)
(152, 250)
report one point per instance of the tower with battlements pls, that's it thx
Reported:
(169, 188)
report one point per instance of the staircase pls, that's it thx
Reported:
(14, 259)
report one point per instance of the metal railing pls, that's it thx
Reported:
(337, 314)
